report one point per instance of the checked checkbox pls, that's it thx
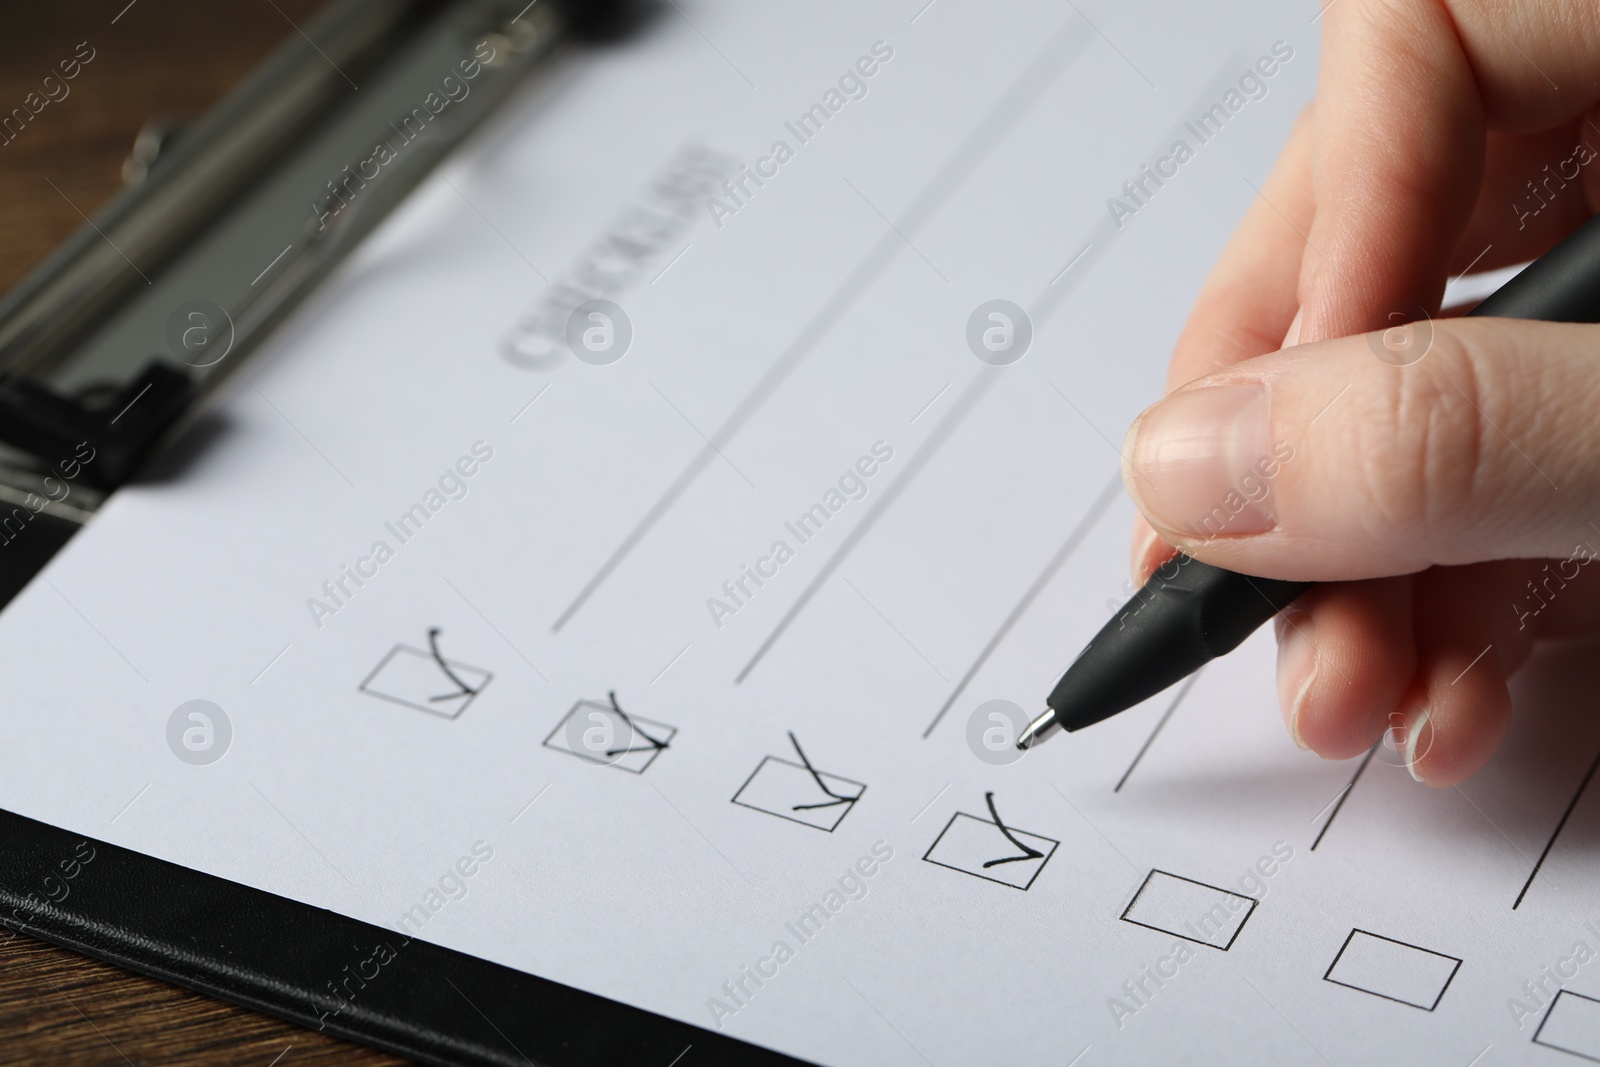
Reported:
(425, 680)
(799, 792)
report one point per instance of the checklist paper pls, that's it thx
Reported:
(671, 509)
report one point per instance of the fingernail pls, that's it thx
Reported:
(1419, 736)
(1292, 336)
(1194, 456)
(1297, 666)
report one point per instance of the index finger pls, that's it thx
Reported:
(1248, 300)
(1397, 163)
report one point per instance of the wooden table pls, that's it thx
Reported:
(150, 58)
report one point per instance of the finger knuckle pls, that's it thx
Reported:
(1420, 442)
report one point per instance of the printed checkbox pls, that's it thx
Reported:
(425, 680)
(1572, 1025)
(1393, 970)
(799, 792)
(601, 733)
(991, 850)
(1189, 909)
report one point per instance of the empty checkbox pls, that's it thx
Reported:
(1394, 970)
(1189, 909)
(1572, 1025)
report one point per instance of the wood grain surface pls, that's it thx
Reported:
(151, 58)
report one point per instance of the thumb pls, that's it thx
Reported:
(1443, 442)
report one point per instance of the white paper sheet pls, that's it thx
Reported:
(807, 350)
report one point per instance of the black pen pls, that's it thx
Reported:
(1189, 612)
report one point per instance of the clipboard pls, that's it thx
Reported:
(878, 530)
(83, 405)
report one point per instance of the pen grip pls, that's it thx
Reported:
(1563, 285)
(1231, 606)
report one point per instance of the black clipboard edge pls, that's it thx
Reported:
(253, 948)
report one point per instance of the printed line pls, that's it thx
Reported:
(280, 1056)
(530, 403)
(1102, 836)
(96, 629)
(1085, 1052)
(1188, 685)
(131, 803)
(887, 222)
(936, 439)
(121, 13)
(1049, 299)
(525, 10)
(1343, 789)
(1055, 563)
(1103, 233)
(1114, 446)
(269, 666)
(1338, 801)
(530, 803)
(1114, 48)
(1063, 273)
(703, 437)
(974, 148)
(919, 14)
(686, 1049)
(1548, 845)
(274, 263)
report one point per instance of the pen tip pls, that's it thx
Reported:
(1039, 729)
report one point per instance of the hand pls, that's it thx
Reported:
(1443, 478)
